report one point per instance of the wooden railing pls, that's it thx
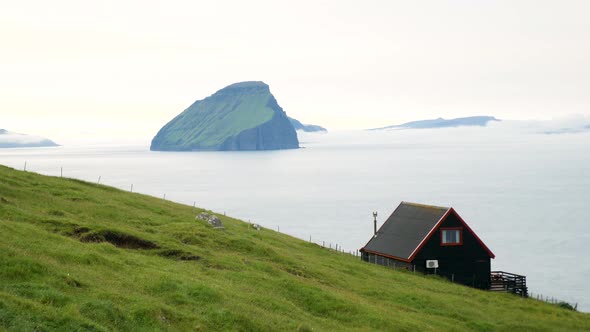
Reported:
(508, 282)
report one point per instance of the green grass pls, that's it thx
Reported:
(76, 256)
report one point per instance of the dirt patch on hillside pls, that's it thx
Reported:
(118, 239)
(179, 255)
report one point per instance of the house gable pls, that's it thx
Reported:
(471, 245)
(466, 262)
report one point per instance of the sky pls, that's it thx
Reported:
(125, 68)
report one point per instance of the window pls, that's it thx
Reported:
(451, 236)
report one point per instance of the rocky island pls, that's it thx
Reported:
(308, 128)
(241, 116)
(480, 121)
(15, 140)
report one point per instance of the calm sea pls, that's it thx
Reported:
(527, 195)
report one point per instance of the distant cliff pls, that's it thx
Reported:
(481, 121)
(242, 116)
(306, 127)
(15, 140)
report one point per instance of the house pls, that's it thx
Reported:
(431, 239)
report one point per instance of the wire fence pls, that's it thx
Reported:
(331, 245)
(553, 300)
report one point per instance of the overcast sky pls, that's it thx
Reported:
(70, 68)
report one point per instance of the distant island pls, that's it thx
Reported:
(480, 121)
(306, 127)
(15, 140)
(241, 116)
(575, 130)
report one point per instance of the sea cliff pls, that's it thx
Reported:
(242, 116)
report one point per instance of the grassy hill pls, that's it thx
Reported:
(80, 256)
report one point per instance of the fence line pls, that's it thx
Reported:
(331, 245)
(551, 300)
(337, 247)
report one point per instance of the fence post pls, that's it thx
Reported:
(61, 172)
(98, 182)
(25, 168)
(131, 187)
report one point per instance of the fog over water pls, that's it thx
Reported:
(523, 192)
(7, 137)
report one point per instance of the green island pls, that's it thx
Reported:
(241, 116)
(77, 256)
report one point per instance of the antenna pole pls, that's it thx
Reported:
(375, 223)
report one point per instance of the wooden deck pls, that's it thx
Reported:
(508, 282)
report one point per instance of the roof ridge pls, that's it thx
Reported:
(427, 205)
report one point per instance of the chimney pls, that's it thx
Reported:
(375, 224)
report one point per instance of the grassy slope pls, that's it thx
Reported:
(244, 280)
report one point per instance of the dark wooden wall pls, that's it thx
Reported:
(468, 264)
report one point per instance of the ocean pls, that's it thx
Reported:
(526, 194)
